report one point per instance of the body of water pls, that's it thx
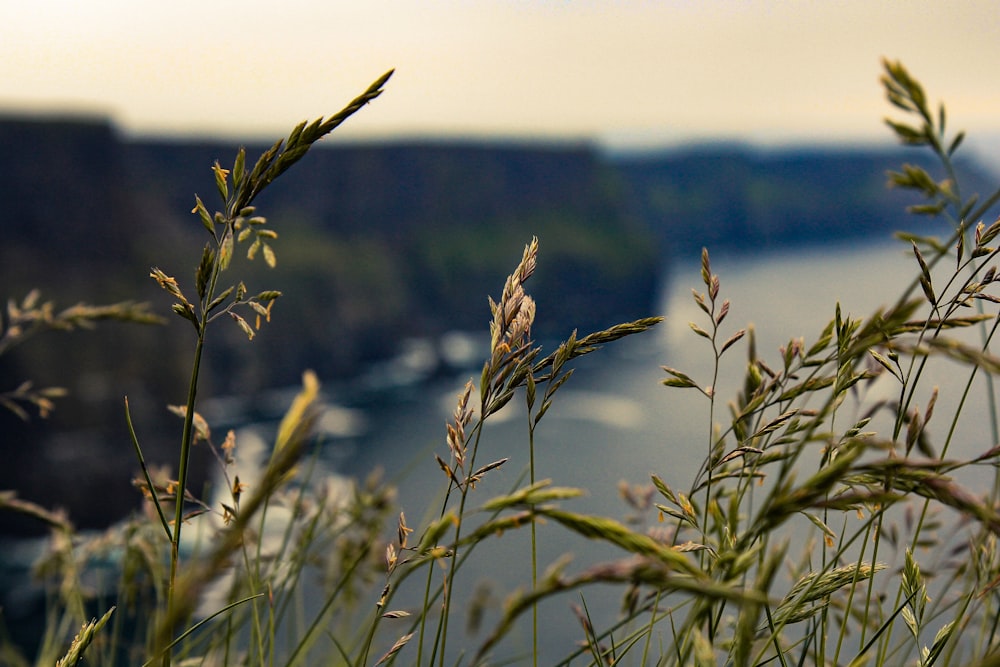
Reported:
(614, 422)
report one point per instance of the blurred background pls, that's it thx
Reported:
(625, 135)
(637, 72)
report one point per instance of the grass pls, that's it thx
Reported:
(827, 524)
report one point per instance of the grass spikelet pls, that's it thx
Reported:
(609, 530)
(515, 312)
(54, 519)
(532, 495)
(593, 342)
(811, 592)
(83, 640)
(399, 644)
(456, 429)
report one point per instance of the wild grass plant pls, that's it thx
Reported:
(832, 520)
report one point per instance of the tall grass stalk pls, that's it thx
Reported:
(236, 224)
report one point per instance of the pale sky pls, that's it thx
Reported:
(675, 70)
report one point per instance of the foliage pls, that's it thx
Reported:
(811, 534)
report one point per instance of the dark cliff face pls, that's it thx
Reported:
(376, 244)
(59, 186)
(428, 230)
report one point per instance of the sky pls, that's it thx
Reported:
(631, 73)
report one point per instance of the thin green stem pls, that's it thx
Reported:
(534, 543)
(145, 472)
(187, 440)
(649, 629)
(450, 576)
(182, 475)
(474, 436)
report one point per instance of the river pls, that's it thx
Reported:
(613, 421)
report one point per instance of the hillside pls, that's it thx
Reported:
(377, 244)
(737, 199)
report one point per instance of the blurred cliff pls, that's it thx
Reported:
(378, 244)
